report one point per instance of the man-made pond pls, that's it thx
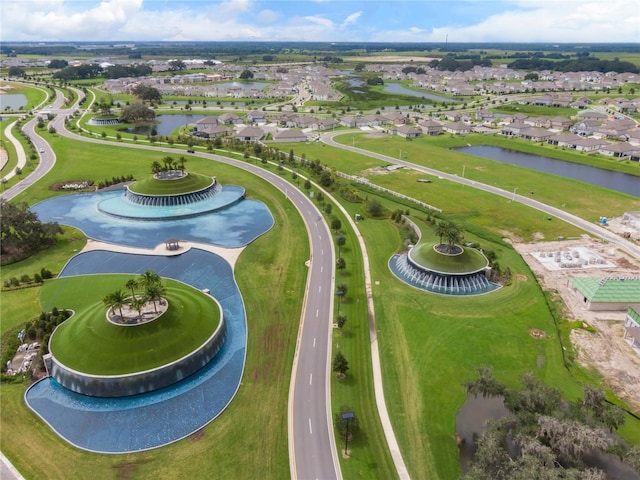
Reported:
(400, 90)
(620, 182)
(477, 411)
(168, 123)
(243, 85)
(13, 101)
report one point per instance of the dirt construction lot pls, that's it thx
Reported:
(605, 350)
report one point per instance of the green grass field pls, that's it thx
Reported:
(192, 182)
(88, 343)
(470, 260)
(429, 344)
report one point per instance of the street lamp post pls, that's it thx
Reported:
(347, 416)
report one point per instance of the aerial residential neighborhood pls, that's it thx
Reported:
(328, 240)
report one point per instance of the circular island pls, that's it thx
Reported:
(137, 345)
(171, 194)
(444, 268)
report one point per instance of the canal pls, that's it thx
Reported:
(620, 182)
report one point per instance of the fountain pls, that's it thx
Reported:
(170, 195)
(148, 408)
(424, 267)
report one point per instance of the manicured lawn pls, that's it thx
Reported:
(249, 439)
(470, 260)
(88, 343)
(192, 182)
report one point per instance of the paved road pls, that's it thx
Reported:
(312, 446)
(585, 225)
(47, 155)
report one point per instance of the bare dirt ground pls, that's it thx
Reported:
(603, 350)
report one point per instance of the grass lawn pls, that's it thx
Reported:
(89, 343)
(270, 274)
(470, 260)
(431, 344)
(192, 182)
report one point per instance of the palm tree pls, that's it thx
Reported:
(441, 230)
(182, 160)
(149, 278)
(132, 285)
(453, 235)
(138, 304)
(153, 293)
(117, 300)
(156, 167)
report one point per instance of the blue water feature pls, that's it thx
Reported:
(467, 284)
(142, 422)
(234, 226)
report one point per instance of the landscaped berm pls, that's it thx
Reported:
(129, 343)
(448, 269)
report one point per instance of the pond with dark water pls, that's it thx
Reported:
(620, 182)
(168, 123)
(400, 90)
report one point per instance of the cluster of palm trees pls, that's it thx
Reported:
(152, 291)
(450, 232)
(168, 163)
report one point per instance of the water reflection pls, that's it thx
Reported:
(620, 182)
(13, 101)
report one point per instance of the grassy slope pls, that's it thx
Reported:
(89, 343)
(235, 445)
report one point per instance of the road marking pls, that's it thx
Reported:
(310, 429)
(321, 268)
(310, 378)
(314, 342)
(319, 288)
(317, 312)
(322, 252)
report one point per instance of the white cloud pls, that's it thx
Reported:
(268, 16)
(521, 21)
(353, 18)
(545, 21)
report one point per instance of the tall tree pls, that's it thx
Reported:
(117, 300)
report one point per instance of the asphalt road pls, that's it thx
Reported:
(585, 225)
(312, 446)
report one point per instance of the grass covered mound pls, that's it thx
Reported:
(191, 182)
(470, 260)
(89, 343)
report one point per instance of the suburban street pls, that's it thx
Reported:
(587, 226)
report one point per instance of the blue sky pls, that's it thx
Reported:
(322, 20)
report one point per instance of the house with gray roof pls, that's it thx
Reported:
(249, 134)
(290, 135)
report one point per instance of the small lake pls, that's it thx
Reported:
(620, 182)
(400, 90)
(168, 123)
(13, 101)
(242, 85)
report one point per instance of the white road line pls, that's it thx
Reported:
(314, 342)
(310, 429)
(319, 288)
(317, 312)
(310, 378)
(321, 268)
